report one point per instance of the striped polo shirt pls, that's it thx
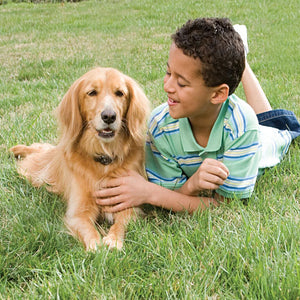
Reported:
(173, 155)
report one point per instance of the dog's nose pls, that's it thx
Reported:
(108, 116)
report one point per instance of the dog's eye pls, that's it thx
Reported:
(92, 93)
(119, 93)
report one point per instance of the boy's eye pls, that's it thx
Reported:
(181, 85)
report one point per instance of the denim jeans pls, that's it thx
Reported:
(281, 119)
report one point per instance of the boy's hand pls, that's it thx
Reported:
(122, 192)
(210, 175)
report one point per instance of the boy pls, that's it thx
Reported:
(205, 145)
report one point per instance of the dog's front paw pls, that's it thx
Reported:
(93, 245)
(112, 242)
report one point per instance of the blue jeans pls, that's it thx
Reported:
(281, 119)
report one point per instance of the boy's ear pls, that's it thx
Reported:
(220, 94)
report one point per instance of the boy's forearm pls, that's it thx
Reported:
(187, 189)
(176, 201)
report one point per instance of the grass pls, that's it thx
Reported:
(238, 251)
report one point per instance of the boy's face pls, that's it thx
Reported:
(187, 94)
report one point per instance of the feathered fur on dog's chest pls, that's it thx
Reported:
(87, 168)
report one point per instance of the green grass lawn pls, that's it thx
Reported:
(238, 251)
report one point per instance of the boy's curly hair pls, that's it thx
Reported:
(219, 48)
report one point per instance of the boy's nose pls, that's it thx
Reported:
(168, 84)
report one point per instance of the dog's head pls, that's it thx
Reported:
(104, 102)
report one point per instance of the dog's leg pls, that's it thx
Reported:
(38, 164)
(21, 151)
(116, 234)
(84, 229)
(80, 218)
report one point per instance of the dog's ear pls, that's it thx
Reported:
(138, 110)
(68, 114)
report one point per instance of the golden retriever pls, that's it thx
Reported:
(102, 122)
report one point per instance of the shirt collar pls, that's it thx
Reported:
(215, 138)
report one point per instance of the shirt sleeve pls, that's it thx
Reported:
(241, 157)
(161, 167)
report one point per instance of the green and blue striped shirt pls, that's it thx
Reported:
(236, 139)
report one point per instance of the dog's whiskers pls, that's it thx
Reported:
(124, 126)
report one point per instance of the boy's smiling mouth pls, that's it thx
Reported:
(172, 102)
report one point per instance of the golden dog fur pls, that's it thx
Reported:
(102, 122)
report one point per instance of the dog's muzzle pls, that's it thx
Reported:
(108, 117)
(106, 133)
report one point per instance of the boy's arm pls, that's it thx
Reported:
(235, 181)
(176, 201)
(133, 190)
(210, 175)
